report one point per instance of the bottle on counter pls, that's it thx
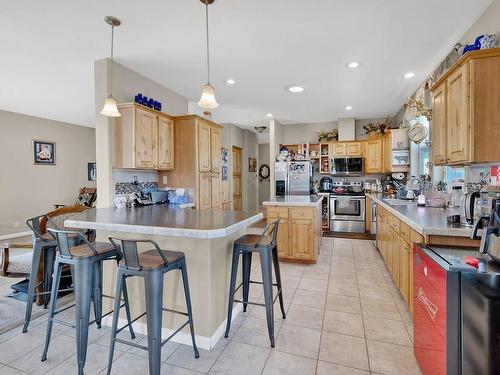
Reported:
(455, 204)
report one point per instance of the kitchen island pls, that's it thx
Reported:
(205, 236)
(299, 233)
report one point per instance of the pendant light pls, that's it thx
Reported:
(110, 108)
(207, 99)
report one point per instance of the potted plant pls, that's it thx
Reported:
(378, 129)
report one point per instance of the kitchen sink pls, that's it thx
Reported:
(398, 202)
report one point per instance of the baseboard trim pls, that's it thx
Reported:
(203, 342)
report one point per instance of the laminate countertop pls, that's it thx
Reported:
(168, 220)
(295, 201)
(425, 220)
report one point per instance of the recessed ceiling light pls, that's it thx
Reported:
(409, 75)
(348, 108)
(353, 64)
(294, 89)
(230, 81)
(269, 115)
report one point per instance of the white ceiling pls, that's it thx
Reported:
(49, 47)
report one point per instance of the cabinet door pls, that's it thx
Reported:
(205, 191)
(458, 132)
(404, 285)
(283, 238)
(337, 149)
(353, 149)
(439, 125)
(146, 134)
(216, 190)
(215, 149)
(374, 159)
(165, 143)
(204, 154)
(302, 238)
(386, 154)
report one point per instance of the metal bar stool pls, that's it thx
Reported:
(86, 263)
(43, 244)
(265, 245)
(151, 265)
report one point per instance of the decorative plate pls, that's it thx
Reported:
(417, 133)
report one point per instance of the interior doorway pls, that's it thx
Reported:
(237, 168)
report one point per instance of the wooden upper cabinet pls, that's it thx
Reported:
(354, 149)
(337, 149)
(466, 114)
(146, 138)
(215, 149)
(439, 125)
(374, 156)
(165, 143)
(204, 154)
(458, 132)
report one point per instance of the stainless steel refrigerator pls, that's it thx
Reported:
(293, 178)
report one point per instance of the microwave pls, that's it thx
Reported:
(347, 166)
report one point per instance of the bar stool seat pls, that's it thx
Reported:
(252, 239)
(84, 251)
(150, 259)
(265, 245)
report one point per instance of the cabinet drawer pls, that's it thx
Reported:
(416, 237)
(405, 232)
(301, 213)
(277, 212)
(394, 222)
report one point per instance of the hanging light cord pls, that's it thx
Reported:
(208, 43)
(111, 70)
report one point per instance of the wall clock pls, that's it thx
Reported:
(264, 171)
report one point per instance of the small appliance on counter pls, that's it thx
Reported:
(490, 238)
(326, 184)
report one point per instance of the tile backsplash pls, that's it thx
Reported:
(124, 180)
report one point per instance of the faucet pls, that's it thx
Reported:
(414, 180)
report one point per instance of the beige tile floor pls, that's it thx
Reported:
(344, 316)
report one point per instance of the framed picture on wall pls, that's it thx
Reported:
(91, 171)
(252, 164)
(44, 152)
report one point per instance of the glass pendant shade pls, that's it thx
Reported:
(207, 99)
(110, 108)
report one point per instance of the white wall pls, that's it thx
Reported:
(264, 185)
(488, 23)
(232, 135)
(28, 190)
(126, 84)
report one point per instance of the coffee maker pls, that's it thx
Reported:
(490, 238)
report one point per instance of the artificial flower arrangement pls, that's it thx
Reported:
(421, 109)
(380, 128)
(328, 136)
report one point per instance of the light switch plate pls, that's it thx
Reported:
(164, 180)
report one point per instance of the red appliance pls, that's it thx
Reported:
(429, 313)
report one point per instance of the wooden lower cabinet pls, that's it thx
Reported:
(299, 232)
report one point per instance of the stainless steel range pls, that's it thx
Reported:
(347, 207)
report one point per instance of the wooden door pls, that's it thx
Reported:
(236, 164)
(353, 149)
(337, 149)
(205, 191)
(439, 125)
(374, 161)
(165, 143)
(215, 185)
(387, 153)
(368, 214)
(302, 238)
(204, 154)
(458, 132)
(215, 149)
(146, 135)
